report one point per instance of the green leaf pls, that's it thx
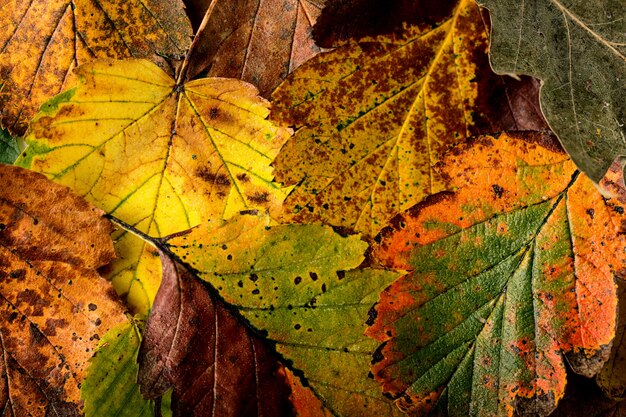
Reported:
(577, 48)
(9, 150)
(297, 284)
(110, 387)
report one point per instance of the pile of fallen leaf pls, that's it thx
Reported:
(223, 208)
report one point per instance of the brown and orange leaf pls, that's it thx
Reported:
(42, 41)
(55, 307)
(511, 274)
(254, 40)
(304, 401)
(612, 378)
(217, 367)
(159, 156)
(375, 116)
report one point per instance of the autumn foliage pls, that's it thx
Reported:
(312, 208)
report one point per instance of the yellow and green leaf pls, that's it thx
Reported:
(159, 156)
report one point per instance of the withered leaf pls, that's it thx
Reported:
(375, 116)
(215, 364)
(259, 41)
(511, 275)
(42, 41)
(55, 307)
(161, 157)
(299, 286)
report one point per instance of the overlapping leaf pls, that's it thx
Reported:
(161, 157)
(215, 364)
(9, 150)
(42, 41)
(110, 387)
(374, 116)
(511, 273)
(55, 307)
(297, 284)
(578, 50)
(253, 40)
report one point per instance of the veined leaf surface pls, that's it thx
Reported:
(510, 274)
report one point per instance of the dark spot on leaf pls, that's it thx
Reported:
(313, 276)
(497, 190)
(92, 307)
(590, 212)
(297, 280)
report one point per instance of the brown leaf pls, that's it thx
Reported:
(54, 305)
(216, 366)
(253, 40)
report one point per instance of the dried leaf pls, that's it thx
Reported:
(160, 157)
(44, 40)
(374, 116)
(578, 50)
(304, 401)
(612, 378)
(216, 366)
(9, 150)
(253, 40)
(296, 284)
(54, 304)
(509, 274)
(110, 387)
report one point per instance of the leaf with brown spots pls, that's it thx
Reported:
(43, 41)
(512, 276)
(374, 117)
(259, 41)
(297, 284)
(55, 307)
(215, 364)
(159, 156)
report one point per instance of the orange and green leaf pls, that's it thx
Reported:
(511, 274)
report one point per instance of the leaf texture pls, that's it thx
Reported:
(578, 50)
(259, 41)
(9, 150)
(43, 41)
(110, 387)
(375, 116)
(216, 366)
(298, 285)
(160, 157)
(54, 305)
(511, 274)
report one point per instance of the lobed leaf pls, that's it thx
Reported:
(298, 285)
(54, 305)
(511, 275)
(375, 116)
(43, 41)
(578, 50)
(159, 156)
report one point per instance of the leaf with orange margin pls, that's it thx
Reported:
(511, 274)
(55, 307)
(44, 40)
(159, 156)
(375, 115)
(259, 41)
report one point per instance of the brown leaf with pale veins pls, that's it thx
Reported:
(54, 305)
(257, 41)
(215, 364)
(42, 41)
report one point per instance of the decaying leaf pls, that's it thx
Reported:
(160, 157)
(304, 401)
(253, 40)
(510, 274)
(215, 364)
(42, 41)
(9, 150)
(374, 116)
(578, 50)
(55, 307)
(297, 284)
(110, 387)
(612, 378)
